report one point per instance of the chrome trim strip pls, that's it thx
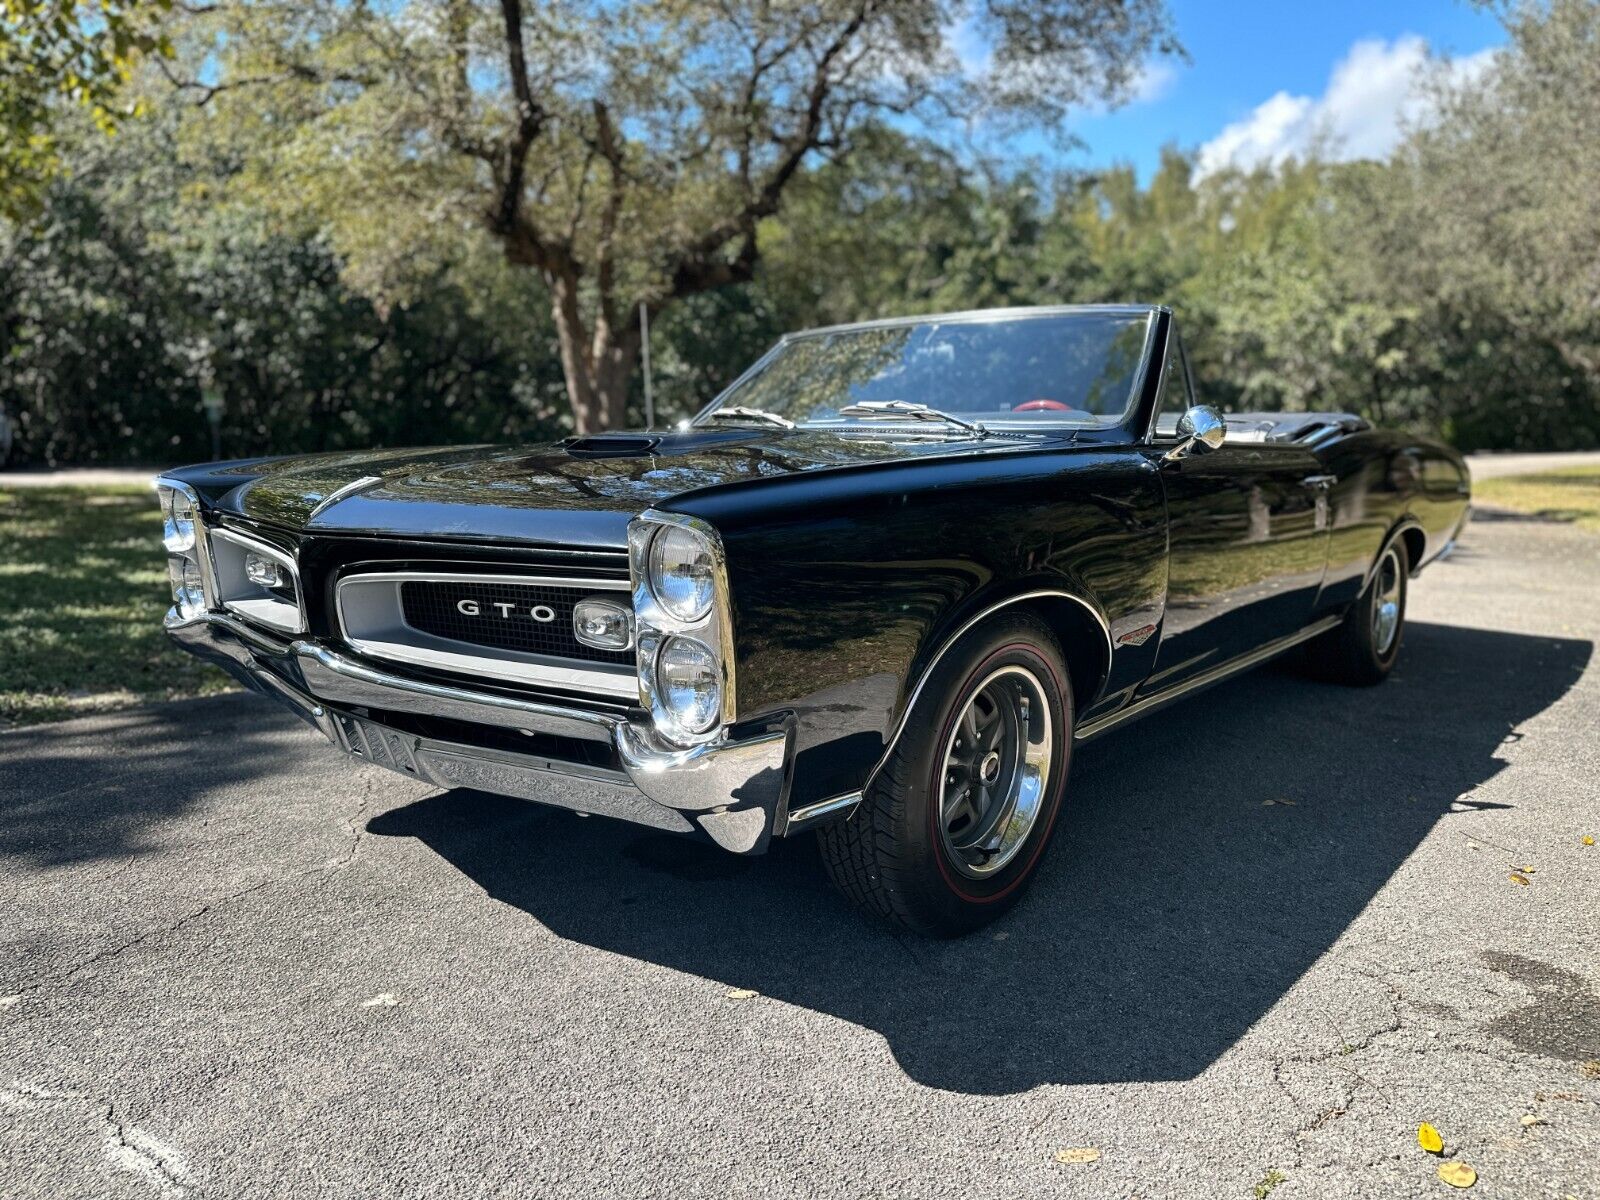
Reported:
(916, 692)
(339, 493)
(202, 540)
(980, 316)
(615, 585)
(513, 666)
(619, 682)
(340, 680)
(808, 815)
(653, 624)
(1217, 674)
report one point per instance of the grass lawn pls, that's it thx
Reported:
(83, 588)
(1571, 494)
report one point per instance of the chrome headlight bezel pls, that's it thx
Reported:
(657, 625)
(183, 537)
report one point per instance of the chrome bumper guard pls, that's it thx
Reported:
(736, 791)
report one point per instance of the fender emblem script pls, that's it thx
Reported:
(473, 608)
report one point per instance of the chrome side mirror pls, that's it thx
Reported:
(1201, 428)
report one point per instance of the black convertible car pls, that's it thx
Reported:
(881, 588)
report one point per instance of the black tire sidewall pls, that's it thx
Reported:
(1382, 663)
(960, 900)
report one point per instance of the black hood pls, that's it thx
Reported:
(579, 492)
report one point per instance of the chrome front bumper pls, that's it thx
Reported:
(735, 790)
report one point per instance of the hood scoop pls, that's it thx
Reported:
(612, 445)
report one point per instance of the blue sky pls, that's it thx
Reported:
(1276, 72)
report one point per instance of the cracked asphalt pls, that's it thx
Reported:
(235, 964)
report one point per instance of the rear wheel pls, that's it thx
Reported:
(1363, 649)
(953, 829)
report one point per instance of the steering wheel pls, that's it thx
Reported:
(1043, 405)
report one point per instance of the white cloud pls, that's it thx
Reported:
(1154, 80)
(1372, 92)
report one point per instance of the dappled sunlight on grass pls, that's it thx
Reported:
(1570, 495)
(83, 588)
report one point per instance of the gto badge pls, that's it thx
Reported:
(471, 608)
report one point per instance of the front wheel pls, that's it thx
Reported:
(952, 831)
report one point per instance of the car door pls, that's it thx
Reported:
(1247, 540)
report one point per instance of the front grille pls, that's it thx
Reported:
(434, 607)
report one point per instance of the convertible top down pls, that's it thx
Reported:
(881, 588)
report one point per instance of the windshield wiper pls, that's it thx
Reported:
(738, 411)
(904, 410)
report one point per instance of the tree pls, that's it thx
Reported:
(626, 153)
(54, 52)
(1503, 191)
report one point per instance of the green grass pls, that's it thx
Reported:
(1571, 495)
(83, 588)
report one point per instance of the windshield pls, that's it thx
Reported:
(1060, 369)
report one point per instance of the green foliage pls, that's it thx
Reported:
(124, 302)
(1450, 290)
(75, 53)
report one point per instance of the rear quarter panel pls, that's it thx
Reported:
(1388, 481)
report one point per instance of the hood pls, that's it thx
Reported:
(579, 492)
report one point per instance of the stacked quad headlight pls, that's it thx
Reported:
(182, 534)
(685, 636)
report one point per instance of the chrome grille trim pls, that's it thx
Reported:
(372, 622)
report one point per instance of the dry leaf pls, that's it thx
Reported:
(1457, 1174)
(381, 1000)
(742, 994)
(1518, 878)
(1428, 1138)
(1588, 839)
(1529, 1120)
(1591, 1069)
(1078, 1154)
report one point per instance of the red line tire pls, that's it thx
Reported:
(909, 854)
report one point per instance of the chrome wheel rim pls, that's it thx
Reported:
(995, 770)
(1386, 603)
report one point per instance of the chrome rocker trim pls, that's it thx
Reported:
(812, 814)
(1218, 673)
(734, 789)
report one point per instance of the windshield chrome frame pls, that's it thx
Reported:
(977, 316)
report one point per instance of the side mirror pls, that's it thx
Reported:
(1201, 428)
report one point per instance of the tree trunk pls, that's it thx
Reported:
(598, 365)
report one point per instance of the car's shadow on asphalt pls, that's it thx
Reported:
(1177, 906)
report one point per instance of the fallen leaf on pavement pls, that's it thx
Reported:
(1457, 1174)
(1591, 1069)
(1588, 839)
(742, 994)
(1078, 1154)
(381, 1000)
(1529, 1120)
(1428, 1138)
(1518, 878)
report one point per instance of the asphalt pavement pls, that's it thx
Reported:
(1278, 931)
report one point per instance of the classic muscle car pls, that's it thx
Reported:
(881, 588)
